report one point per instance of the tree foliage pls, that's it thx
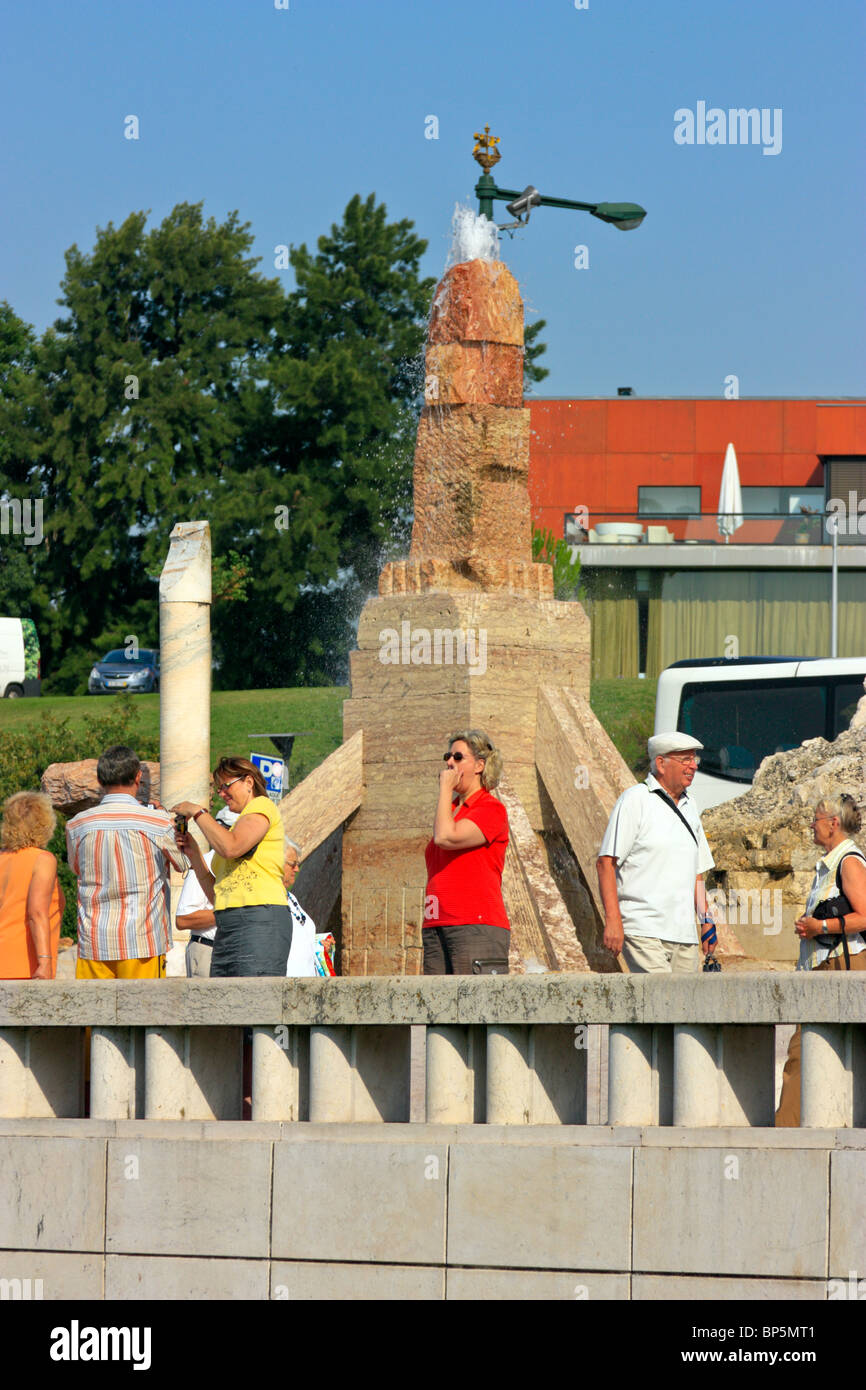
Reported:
(346, 384)
(179, 383)
(547, 549)
(533, 349)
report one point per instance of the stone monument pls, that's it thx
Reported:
(464, 632)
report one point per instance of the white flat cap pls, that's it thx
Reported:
(662, 744)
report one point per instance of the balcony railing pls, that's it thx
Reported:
(689, 1051)
(757, 528)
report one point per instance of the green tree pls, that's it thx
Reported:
(347, 381)
(548, 550)
(180, 383)
(532, 350)
(136, 409)
(17, 341)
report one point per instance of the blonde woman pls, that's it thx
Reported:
(31, 899)
(245, 880)
(464, 914)
(831, 930)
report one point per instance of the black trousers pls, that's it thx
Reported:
(451, 950)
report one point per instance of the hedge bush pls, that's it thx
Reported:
(25, 754)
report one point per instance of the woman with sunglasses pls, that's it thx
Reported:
(835, 919)
(464, 914)
(245, 882)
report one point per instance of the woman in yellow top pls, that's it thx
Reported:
(31, 899)
(254, 925)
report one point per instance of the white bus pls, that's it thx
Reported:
(742, 710)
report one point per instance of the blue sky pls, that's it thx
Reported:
(747, 264)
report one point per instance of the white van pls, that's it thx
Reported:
(742, 710)
(20, 661)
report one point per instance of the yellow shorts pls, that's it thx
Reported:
(147, 968)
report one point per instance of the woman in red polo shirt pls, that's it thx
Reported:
(464, 914)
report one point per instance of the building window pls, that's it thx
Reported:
(669, 501)
(782, 501)
(845, 481)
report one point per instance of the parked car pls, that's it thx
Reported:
(125, 669)
(743, 709)
(20, 661)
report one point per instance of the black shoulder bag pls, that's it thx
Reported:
(657, 791)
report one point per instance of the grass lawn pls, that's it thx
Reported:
(624, 707)
(235, 714)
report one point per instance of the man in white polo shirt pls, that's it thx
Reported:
(651, 865)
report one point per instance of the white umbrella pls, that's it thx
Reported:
(730, 497)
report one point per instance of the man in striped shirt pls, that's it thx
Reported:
(120, 851)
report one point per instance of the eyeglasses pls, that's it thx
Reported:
(684, 758)
(816, 819)
(224, 788)
(458, 757)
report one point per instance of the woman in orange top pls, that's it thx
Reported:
(31, 899)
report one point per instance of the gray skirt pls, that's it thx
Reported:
(252, 941)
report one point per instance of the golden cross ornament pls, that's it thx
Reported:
(485, 152)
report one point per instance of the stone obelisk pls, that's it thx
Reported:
(464, 631)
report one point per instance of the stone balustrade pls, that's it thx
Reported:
(693, 1052)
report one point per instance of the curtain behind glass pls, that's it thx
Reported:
(708, 613)
(613, 616)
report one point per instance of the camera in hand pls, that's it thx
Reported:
(181, 823)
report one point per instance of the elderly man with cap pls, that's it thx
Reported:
(651, 865)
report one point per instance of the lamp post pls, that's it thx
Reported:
(625, 216)
(833, 522)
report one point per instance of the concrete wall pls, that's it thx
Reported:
(135, 1210)
(504, 1192)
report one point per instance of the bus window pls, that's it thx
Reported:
(845, 697)
(740, 724)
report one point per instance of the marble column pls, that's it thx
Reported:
(185, 679)
(185, 666)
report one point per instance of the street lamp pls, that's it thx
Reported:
(625, 216)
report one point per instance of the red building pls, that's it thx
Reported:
(602, 454)
(635, 485)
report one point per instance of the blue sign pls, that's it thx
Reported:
(273, 770)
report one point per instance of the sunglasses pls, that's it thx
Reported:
(458, 757)
(225, 786)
